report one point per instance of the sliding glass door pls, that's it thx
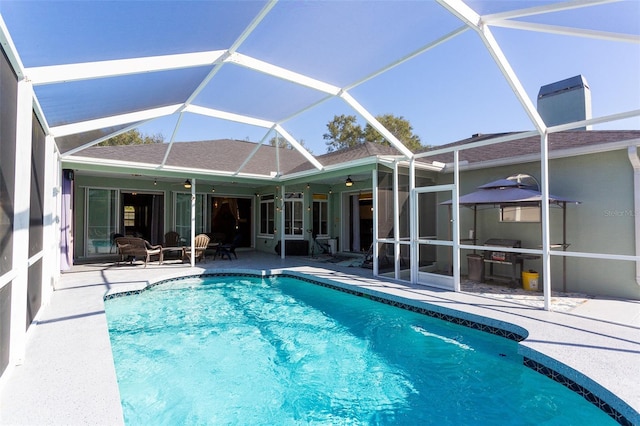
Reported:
(102, 220)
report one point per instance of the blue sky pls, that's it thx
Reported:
(447, 93)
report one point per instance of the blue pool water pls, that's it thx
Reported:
(280, 351)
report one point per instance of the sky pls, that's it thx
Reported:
(447, 93)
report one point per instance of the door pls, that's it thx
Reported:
(143, 216)
(432, 251)
(357, 214)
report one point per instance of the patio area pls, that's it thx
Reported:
(68, 375)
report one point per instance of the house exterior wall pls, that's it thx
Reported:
(603, 222)
(169, 190)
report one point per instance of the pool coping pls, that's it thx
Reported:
(68, 375)
(561, 372)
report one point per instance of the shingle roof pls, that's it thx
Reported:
(228, 155)
(531, 145)
(224, 155)
(364, 150)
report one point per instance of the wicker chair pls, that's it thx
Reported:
(132, 248)
(201, 242)
(171, 239)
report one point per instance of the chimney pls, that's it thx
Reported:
(565, 101)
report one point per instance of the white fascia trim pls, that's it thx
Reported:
(115, 120)
(376, 124)
(576, 32)
(298, 147)
(332, 168)
(478, 144)
(435, 166)
(113, 68)
(183, 171)
(223, 115)
(553, 155)
(282, 73)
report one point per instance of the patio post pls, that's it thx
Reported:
(374, 181)
(282, 235)
(396, 223)
(546, 255)
(414, 255)
(192, 258)
(456, 223)
(21, 222)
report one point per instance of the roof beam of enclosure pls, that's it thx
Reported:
(473, 20)
(114, 68)
(299, 147)
(547, 8)
(101, 139)
(172, 140)
(115, 120)
(395, 142)
(255, 150)
(282, 73)
(410, 56)
(576, 32)
(223, 115)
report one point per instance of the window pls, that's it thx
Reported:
(183, 215)
(267, 215)
(129, 216)
(522, 213)
(101, 220)
(320, 215)
(293, 214)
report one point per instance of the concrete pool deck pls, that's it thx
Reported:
(68, 376)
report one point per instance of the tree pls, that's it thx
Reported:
(132, 137)
(399, 127)
(283, 143)
(344, 132)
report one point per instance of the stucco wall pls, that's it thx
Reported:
(603, 222)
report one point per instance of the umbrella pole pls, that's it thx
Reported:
(475, 235)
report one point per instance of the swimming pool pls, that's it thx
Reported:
(248, 350)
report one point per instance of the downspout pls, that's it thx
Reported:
(635, 163)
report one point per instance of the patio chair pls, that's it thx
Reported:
(131, 248)
(171, 239)
(172, 248)
(114, 236)
(228, 249)
(200, 245)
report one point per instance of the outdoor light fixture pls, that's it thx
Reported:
(349, 182)
(155, 182)
(187, 184)
(213, 189)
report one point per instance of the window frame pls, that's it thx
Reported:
(294, 226)
(267, 226)
(318, 201)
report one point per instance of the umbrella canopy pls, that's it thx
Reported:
(506, 191)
